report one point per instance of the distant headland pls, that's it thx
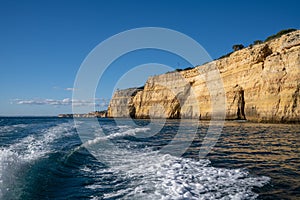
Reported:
(99, 114)
(261, 83)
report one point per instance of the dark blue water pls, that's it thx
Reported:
(46, 158)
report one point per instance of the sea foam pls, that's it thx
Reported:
(148, 174)
(25, 151)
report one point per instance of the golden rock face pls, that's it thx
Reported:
(261, 83)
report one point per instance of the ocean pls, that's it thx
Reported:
(47, 158)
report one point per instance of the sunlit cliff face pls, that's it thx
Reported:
(261, 84)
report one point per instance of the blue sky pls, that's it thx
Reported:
(43, 43)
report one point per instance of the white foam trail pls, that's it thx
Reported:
(130, 132)
(25, 151)
(11, 128)
(88, 143)
(147, 174)
(155, 176)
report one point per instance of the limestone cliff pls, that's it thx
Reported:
(121, 105)
(262, 83)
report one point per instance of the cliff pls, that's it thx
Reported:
(261, 84)
(121, 105)
(99, 114)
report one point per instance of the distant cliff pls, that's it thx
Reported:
(99, 114)
(261, 82)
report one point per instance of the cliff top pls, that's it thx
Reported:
(281, 41)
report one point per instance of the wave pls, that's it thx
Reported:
(130, 132)
(11, 128)
(121, 133)
(127, 173)
(147, 174)
(25, 151)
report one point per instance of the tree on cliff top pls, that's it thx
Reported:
(237, 47)
(257, 42)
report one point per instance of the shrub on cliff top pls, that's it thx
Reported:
(257, 42)
(188, 68)
(279, 34)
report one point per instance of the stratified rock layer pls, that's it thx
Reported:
(261, 83)
(121, 105)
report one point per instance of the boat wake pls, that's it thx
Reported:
(148, 174)
(17, 157)
(125, 168)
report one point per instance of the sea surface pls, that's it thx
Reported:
(48, 158)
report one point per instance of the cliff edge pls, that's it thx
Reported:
(261, 84)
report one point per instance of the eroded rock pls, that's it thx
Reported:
(261, 84)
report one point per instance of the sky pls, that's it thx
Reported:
(44, 43)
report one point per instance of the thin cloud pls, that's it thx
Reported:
(64, 102)
(70, 89)
(66, 89)
(55, 87)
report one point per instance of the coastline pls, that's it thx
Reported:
(261, 84)
(175, 119)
